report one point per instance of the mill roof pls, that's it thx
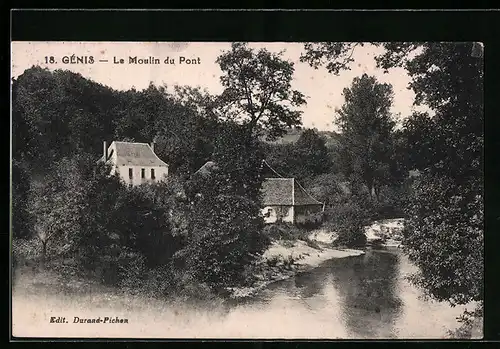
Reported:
(276, 189)
(285, 192)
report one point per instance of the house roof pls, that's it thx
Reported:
(269, 172)
(286, 191)
(134, 154)
(276, 189)
(208, 167)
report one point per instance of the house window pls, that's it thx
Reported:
(153, 173)
(130, 173)
(143, 173)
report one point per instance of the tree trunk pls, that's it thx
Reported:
(371, 189)
(376, 189)
(370, 183)
(44, 251)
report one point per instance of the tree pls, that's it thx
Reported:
(225, 226)
(257, 90)
(226, 238)
(57, 114)
(156, 236)
(444, 234)
(303, 159)
(367, 126)
(238, 155)
(312, 154)
(182, 132)
(56, 204)
(336, 56)
(282, 158)
(446, 242)
(444, 216)
(449, 79)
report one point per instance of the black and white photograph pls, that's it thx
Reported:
(247, 190)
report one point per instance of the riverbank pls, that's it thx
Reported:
(285, 259)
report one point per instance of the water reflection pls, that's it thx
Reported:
(355, 297)
(310, 284)
(367, 289)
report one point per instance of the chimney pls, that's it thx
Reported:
(153, 146)
(105, 150)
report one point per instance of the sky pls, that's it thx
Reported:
(323, 90)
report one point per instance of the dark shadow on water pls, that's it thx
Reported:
(367, 288)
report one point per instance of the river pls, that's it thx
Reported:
(358, 297)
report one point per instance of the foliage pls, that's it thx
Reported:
(367, 141)
(284, 231)
(21, 216)
(60, 114)
(449, 153)
(444, 237)
(336, 56)
(257, 90)
(312, 155)
(447, 149)
(56, 114)
(328, 188)
(136, 277)
(469, 320)
(224, 227)
(56, 205)
(282, 158)
(348, 219)
(225, 236)
(303, 159)
(238, 155)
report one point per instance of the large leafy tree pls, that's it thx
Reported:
(239, 156)
(57, 204)
(224, 230)
(257, 90)
(367, 126)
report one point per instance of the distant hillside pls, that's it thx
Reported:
(331, 137)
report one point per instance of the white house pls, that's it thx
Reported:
(286, 200)
(135, 163)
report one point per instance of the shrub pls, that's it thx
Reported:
(225, 238)
(469, 320)
(313, 221)
(288, 262)
(348, 220)
(351, 237)
(273, 261)
(284, 231)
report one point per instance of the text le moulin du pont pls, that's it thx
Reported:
(136, 60)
